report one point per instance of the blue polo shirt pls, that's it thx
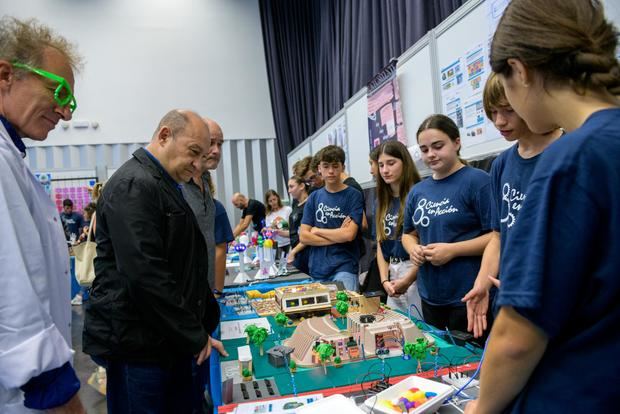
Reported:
(563, 270)
(327, 211)
(453, 209)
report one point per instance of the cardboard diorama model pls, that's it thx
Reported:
(380, 333)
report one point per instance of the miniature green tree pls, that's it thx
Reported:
(342, 296)
(258, 338)
(409, 349)
(249, 331)
(420, 350)
(292, 365)
(325, 352)
(337, 361)
(282, 321)
(245, 373)
(342, 308)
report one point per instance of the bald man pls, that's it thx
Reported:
(253, 211)
(151, 311)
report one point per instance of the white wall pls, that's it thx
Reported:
(144, 57)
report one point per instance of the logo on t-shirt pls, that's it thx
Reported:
(389, 223)
(514, 201)
(324, 212)
(427, 209)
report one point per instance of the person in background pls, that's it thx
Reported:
(253, 211)
(278, 220)
(372, 281)
(36, 91)
(447, 224)
(198, 192)
(559, 288)
(89, 214)
(72, 220)
(313, 175)
(397, 175)
(373, 161)
(510, 176)
(330, 223)
(301, 167)
(151, 312)
(298, 256)
(222, 230)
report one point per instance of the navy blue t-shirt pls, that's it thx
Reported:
(453, 209)
(327, 210)
(510, 176)
(222, 229)
(73, 222)
(563, 270)
(393, 246)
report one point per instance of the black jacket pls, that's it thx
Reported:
(150, 300)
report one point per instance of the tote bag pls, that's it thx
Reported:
(84, 254)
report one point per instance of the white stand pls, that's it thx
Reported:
(242, 276)
(266, 260)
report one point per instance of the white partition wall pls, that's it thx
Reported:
(415, 78)
(357, 127)
(333, 132)
(301, 151)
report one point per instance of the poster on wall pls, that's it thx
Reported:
(385, 120)
(462, 82)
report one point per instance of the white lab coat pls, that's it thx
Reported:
(35, 312)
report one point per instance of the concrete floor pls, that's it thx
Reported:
(94, 402)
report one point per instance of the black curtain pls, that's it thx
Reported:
(319, 53)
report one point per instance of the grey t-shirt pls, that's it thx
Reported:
(204, 209)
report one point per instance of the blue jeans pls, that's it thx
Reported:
(349, 280)
(139, 388)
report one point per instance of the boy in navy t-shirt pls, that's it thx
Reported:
(331, 219)
(510, 176)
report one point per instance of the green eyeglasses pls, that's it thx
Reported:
(62, 94)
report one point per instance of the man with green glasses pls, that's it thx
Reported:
(36, 91)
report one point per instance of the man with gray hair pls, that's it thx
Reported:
(36, 91)
(151, 310)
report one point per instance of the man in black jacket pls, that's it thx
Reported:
(151, 310)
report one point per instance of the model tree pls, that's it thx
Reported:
(342, 296)
(249, 331)
(325, 352)
(258, 338)
(292, 365)
(282, 321)
(342, 307)
(408, 350)
(420, 350)
(338, 362)
(246, 374)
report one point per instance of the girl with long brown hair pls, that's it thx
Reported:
(397, 175)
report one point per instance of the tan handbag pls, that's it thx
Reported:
(85, 253)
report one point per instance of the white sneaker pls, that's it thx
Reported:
(77, 300)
